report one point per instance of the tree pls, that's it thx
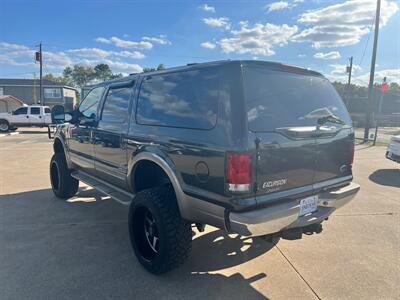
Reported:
(58, 79)
(159, 67)
(80, 75)
(103, 72)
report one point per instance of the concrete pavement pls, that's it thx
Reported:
(80, 249)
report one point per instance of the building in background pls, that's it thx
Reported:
(28, 91)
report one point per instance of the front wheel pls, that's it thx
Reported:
(4, 126)
(63, 184)
(160, 238)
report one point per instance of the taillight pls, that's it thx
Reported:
(352, 153)
(238, 172)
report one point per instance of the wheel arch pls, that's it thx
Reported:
(166, 167)
(59, 147)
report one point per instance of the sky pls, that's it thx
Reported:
(129, 35)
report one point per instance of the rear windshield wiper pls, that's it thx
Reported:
(330, 118)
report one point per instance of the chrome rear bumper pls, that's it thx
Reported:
(282, 216)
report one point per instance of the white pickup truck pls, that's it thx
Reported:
(25, 116)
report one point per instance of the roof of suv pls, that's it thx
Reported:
(192, 66)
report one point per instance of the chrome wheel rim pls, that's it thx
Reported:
(3, 127)
(151, 232)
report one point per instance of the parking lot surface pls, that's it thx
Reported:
(79, 249)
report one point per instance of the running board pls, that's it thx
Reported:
(104, 187)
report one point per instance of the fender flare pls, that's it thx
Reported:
(168, 169)
(61, 140)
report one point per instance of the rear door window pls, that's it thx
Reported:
(35, 110)
(277, 99)
(183, 99)
(116, 105)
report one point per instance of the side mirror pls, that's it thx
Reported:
(57, 114)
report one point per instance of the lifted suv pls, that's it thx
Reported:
(254, 148)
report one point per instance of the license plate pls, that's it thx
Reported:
(308, 205)
(389, 154)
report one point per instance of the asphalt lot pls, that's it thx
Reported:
(79, 249)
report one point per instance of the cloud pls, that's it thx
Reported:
(338, 73)
(208, 8)
(328, 55)
(277, 6)
(208, 45)
(342, 24)
(282, 5)
(100, 53)
(258, 39)
(56, 61)
(340, 69)
(125, 43)
(10, 47)
(301, 55)
(222, 22)
(89, 52)
(392, 75)
(162, 40)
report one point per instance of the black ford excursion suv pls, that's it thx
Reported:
(250, 147)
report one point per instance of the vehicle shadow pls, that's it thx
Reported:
(90, 240)
(31, 131)
(386, 177)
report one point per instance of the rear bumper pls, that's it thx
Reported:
(282, 216)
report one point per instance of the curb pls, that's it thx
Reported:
(7, 134)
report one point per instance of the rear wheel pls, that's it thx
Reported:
(63, 184)
(160, 238)
(4, 126)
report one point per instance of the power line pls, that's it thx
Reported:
(366, 45)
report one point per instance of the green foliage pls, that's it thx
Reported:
(103, 72)
(359, 91)
(58, 79)
(159, 67)
(80, 76)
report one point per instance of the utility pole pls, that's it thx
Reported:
(349, 70)
(372, 73)
(39, 59)
(41, 73)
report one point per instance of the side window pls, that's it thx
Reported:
(52, 93)
(35, 110)
(88, 107)
(116, 105)
(47, 110)
(182, 99)
(21, 111)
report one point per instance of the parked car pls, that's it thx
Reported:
(25, 116)
(393, 149)
(253, 148)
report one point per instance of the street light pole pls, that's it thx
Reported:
(372, 73)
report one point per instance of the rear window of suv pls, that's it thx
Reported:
(279, 99)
